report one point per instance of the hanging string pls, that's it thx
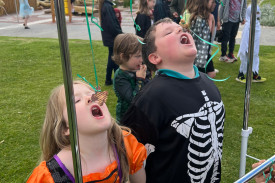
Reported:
(93, 19)
(185, 22)
(270, 173)
(136, 25)
(211, 57)
(90, 38)
(84, 79)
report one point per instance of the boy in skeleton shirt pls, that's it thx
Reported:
(179, 115)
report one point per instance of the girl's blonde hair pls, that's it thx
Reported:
(143, 7)
(198, 8)
(53, 138)
(125, 45)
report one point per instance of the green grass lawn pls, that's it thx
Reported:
(31, 67)
(271, 2)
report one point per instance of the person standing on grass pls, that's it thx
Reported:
(179, 115)
(202, 23)
(144, 16)
(215, 12)
(243, 51)
(231, 13)
(131, 75)
(25, 11)
(111, 28)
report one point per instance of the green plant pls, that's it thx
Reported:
(268, 15)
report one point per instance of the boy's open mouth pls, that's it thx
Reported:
(96, 111)
(184, 39)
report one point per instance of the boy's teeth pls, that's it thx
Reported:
(183, 40)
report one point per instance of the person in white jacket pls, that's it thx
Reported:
(243, 50)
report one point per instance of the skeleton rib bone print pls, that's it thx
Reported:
(204, 130)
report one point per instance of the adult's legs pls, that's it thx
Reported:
(110, 67)
(233, 34)
(226, 30)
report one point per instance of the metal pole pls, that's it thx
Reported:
(246, 131)
(16, 10)
(68, 84)
(250, 175)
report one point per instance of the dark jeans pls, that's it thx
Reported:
(230, 31)
(110, 65)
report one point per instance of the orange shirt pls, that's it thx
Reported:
(136, 153)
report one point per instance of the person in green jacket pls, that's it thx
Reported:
(132, 74)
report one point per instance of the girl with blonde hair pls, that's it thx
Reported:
(109, 153)
(144, 16)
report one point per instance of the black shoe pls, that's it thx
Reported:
(241, 78)
(257, 78)
(108, 83)
(26, 27)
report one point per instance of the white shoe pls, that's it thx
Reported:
(230, 60)
(223, 58)
(216, 71)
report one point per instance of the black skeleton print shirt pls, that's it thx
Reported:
(181, 123)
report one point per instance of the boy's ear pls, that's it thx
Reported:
(154, 58)
(121, 56)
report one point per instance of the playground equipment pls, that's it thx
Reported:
(67, 8)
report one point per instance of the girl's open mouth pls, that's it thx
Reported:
(96, 111)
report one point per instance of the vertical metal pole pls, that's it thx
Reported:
(246, 131)
(16, 10)
(67, 76)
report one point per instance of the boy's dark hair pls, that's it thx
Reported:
(149, 40)
(125, 44)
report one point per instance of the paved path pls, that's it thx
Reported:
(41, 26)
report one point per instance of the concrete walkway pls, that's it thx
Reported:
(41, 26)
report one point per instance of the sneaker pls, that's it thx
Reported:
(216, 71)
(108, 83)
(241, 78)
(257, 78)
(223, 58)
(230, 60)
(232, 57)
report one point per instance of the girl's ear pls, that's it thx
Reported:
(154, 58)
(67, 132)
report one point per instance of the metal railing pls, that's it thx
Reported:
(250, 175)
